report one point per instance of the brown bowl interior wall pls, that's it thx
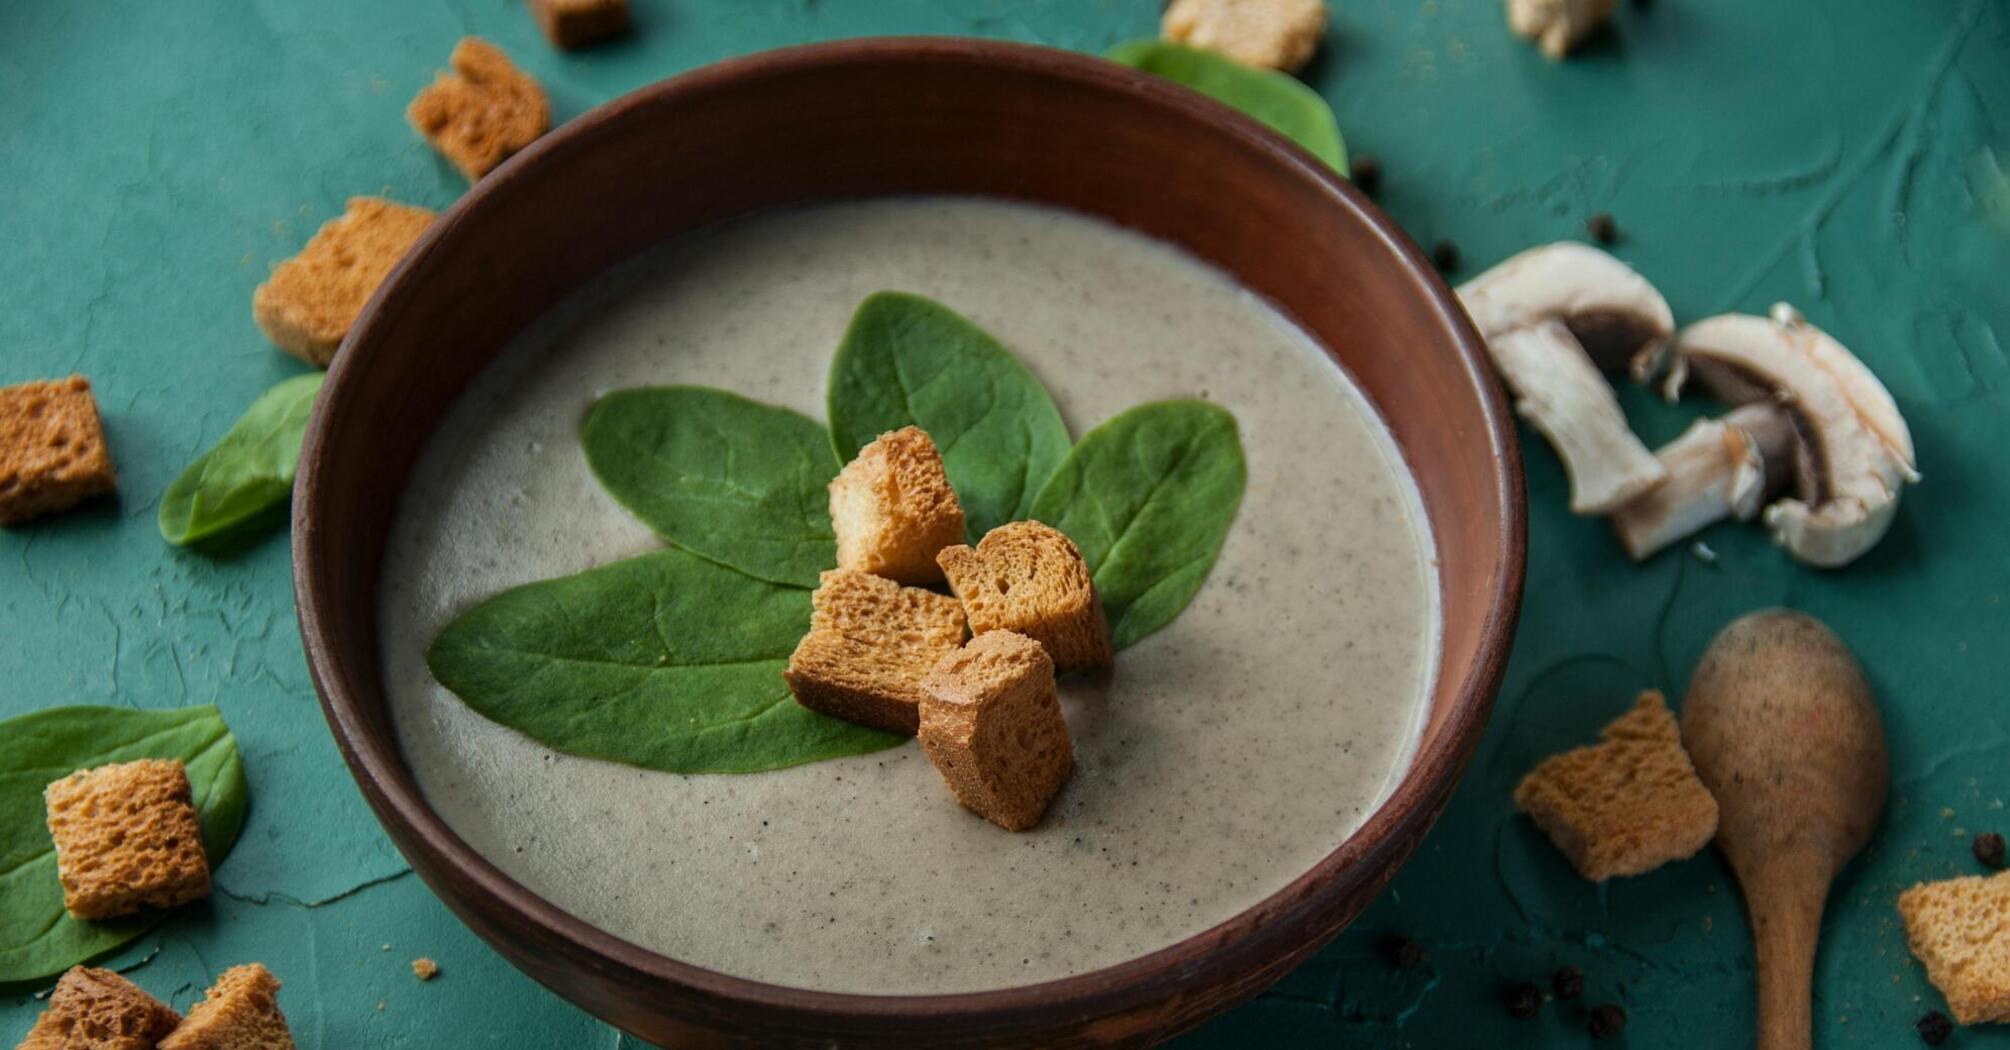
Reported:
(890, 117)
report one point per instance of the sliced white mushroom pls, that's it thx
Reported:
(1551, 317)
(1718, 468)
(1853, 451)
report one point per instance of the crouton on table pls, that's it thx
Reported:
(127, 838)
(312, 300)
(52, 449)
(482, 112)
(239, 1012)
(1960, 930)
(99, 1010)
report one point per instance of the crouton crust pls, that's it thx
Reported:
(312, 300)
(126, 838)
(870, 642)
(52, 449)
(239, 1012)
(482, 112)
(893, 509)
(992, 725)
(1960, 931)
(1030, 578)
(99, 1010)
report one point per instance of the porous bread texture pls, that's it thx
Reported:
(893, 509)
(482, 112)
(1030, 578)
(1960, 930)
(311, 301)
(576, 23)
(1626, 805)
(239, 1012)
(52, 449)
(126, 837)
(992, 725)
(1269, 34)
(99, 1010)
(870, 642)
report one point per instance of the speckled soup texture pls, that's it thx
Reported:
(1223, 758)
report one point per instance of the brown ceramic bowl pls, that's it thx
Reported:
(879, 117)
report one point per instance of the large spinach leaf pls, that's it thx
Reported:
(37, 937)
(1275, 99)
(739, 482)
(243, 483)
(1148, 497)
(666, 661)
(909, 360)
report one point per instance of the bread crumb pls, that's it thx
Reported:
(482, 112)
(52, 449)
(93, 1009)
(425, 969)
(127, 837)
(1269, 34)
(239, 1012)
(1960, 931)
(992, 725)
(893, 510)
(572, 24)
(1030, 578)
(312, 300)
(870, 642)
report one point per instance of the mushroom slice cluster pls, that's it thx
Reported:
(1851, 449)
(1553, 317)
(1719, 468)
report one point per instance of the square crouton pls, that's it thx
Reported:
(1268, 34)
(870, 642)
(1626, 805)
(576, 23)
(482, 112)
(52, 449)
(99, 1010)
(893, 509)
(991, 724)
(1556, 26)
(1030, 578)
(310, 302)
(127, 837)
(239, 1012)
(1960, 930)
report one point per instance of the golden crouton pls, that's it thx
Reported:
(1626, 805)
(310, 302)
(126, 837)
(239, 1012)
(870, 642)
(1557, 26)
(1269, 34)
(482, 112)
(52, 449)
(1960, 930)
(576, 23)
(1030, 578)
(993, 727)
(99, 1010)
(425, 969)
(893, 509)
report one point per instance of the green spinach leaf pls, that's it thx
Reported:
(245, 481)
(736, 481)
(1148, 497)
(666, 661)
(37, 937)
(1275, 99)
(909, 360)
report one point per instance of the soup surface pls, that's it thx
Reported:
(1224, 757)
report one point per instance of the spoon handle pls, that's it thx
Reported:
(1785, 898)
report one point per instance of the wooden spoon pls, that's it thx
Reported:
(1782, 727)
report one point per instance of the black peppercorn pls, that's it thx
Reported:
(1602, 228)
(1606, 1021)
(1445, 255)
(1989, 850)
(1367, 174)
(1403, 953)
(1934, 1028)
(1568, 983)
(1523, 1001)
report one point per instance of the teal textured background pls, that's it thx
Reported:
(157, 158)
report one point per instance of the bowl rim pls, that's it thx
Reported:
(1421, 792)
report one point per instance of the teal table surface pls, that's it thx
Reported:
(156, 159)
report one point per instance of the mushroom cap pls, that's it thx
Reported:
(1612, 311)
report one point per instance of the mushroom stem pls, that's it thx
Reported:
(1561, 393)
(1719, 468)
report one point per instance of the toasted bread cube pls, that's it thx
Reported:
(1268, 34)
(99, 1010)
(239, 1012)
(1626, 805)
(127, 838)
(1030, 578)
(576, 23)
(870, 642)
(310, 302)
(1557, 26)
(1960, 930)
(893, 509)
(482, 112)
(992, 725)
(52, 449)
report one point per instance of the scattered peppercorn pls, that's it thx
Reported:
(1446, 256)
(1989, 850)
(1523, 1001)
(1606, 1021)
(1403, 953)
(1367, 174)
(1934, 1028)
(1568, 983)
(1602, 228)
